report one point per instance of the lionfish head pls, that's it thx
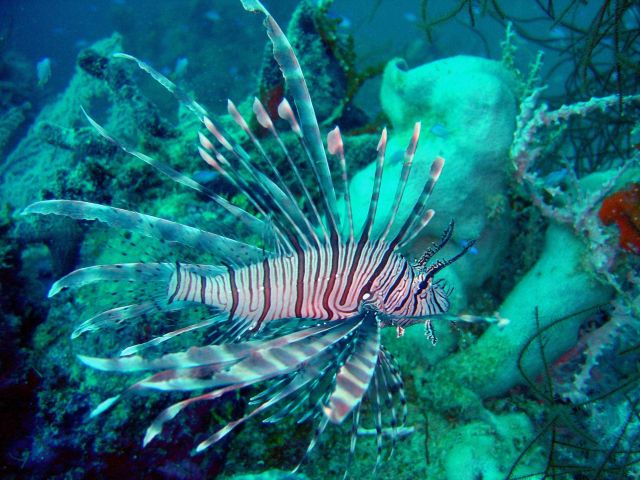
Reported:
(431, 293)
(426, 285)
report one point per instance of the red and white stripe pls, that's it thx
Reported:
(329, 283)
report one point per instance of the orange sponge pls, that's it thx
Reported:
(623, 208)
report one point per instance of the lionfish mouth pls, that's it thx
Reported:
(291, 318)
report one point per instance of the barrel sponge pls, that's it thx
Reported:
(467, 106)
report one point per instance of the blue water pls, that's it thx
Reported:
(574, 416)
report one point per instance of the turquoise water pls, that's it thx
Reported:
(523, 362)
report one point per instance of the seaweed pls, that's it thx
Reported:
(567, 431)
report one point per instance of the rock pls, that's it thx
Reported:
(486, 449)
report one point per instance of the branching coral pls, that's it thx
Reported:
(576, 204)
(590, 47)
(595, 435)
(584, 204)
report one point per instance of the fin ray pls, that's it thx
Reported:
(149, 226)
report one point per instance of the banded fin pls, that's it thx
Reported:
(394, 380)
(402, 181)
(285, 201)
(354, 376)
(262, 363)
(377, 419)
(385, 379)
(336, 147)
(264, 194)
(353, 440)
(122, 272)
(294, 385)
(104, 406)
(375, 191)
(420, 216)
(309, 129)
(116, 316)
(251, 186)
(288, 385)
(256, 226)
(300, 363)
(154, 342)
(232, 251)
(197, 109)
(200, 356)
(265, 121)
(170, 412)
(259, 190)
(324, 365)
(320, 427)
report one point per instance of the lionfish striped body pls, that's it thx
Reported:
(304, 317)
(323, 284)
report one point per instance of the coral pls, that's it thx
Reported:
(60, 154)
(591, 374)
(557, 286)
(533, 119)
(623, 209)
(328, 56)
(484, 449)
(575, 201)
(11, 122)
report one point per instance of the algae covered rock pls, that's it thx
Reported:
(486, 449)
(467, 107)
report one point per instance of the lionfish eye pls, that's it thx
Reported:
(423, 284)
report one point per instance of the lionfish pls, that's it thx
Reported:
(303, 318)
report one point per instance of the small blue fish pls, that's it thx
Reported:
(559, 33)
(439, 130)
(181, 67)
(410, 17)
(205, 176)
(472, 250)
(213, 16)
(43, 71)
(341, 20)
(555, 178)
